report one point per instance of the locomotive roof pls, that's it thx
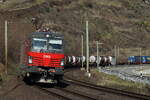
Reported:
(43, 35)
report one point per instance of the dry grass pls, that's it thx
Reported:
(9, 4)
(116, 82)
(147, 75)
(109, 22)
(3, 75)
(13, 70)
(114, 3)
(20, 4)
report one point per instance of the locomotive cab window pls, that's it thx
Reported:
(38, 44)
(55, 44)
(47, 45)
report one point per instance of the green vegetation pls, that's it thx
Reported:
(116, 82)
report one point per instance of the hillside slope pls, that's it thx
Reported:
(125, 23)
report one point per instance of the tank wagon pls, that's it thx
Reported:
(42, 57)
(103, 60)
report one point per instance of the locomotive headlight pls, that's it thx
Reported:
(47, 35)
(30, 60)
(62, 62)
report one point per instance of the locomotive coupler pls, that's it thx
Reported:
(45, 74)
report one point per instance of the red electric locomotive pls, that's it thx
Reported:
(42, 57)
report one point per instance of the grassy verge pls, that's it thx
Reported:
(12, 70)
(4, 77)
(116, 82)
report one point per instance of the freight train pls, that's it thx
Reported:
(42, 57)
(139, 60)
(102, 61)
(106, 60)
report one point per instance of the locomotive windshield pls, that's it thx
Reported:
(47, 45)
(39, 43)
(55, 44)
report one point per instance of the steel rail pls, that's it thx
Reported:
(51, 93)
(78, 93)
(11, 90)
(106, 89)
(87, 97)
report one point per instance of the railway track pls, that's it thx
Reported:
(11, 90)
(106, 89)
(70, 93)
(79, 94)
(65, 94)
(51, 93)
(73, 94)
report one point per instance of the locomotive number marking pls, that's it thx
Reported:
(46, 56)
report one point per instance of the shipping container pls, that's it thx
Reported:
(138, 59)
